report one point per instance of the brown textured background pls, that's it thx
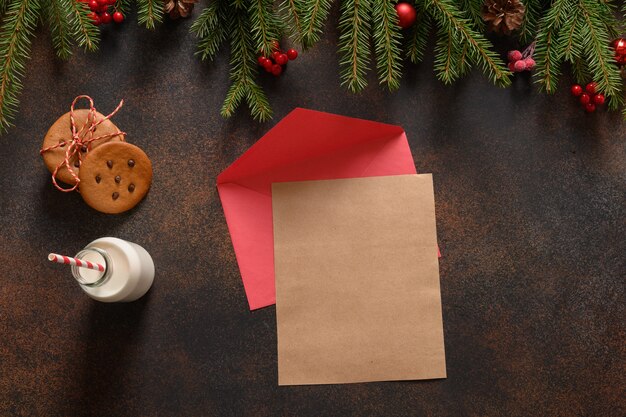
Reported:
(530, 196)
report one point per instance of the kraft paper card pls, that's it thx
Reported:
(357, 280)
(305, 145)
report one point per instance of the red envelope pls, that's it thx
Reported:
(305, 145)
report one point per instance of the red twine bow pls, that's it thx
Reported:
(81, 140)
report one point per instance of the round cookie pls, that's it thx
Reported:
(114, 177)
(61, 130)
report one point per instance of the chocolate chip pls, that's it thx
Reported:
(98, 179)
(118, 179)
(115, 195)
(110, 164)
(131, 188)
(76, 164)
(131, 163)
(83, 149)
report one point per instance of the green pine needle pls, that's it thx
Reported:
(599, 56)
(84, 31)
(354, 45)
(418, 37)
(16, 33)
(209, 28)
(548, 51)
(150, 13)
(122, 6)
(387, 44)
(243, 70)
(60, 27)
(315, 15)
(531, 17)
(265, 26)
(293, 11)
(473, 10)
(449, 18)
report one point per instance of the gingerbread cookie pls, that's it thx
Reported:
(61, 132)
(114, 177)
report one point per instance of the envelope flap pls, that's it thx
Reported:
(305, 134)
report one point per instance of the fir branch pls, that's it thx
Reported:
(149, 13)
(316, 13)
(548, 51)
(580, 71)
(599, 57)
(531, 17)
(463, 64)
(59, 21)
(386, 37)
(569, 37)
(243, 70)
(450, 19)
(354, 27)
(209, 28)
(264, 25)
(122, 6)
(16, 35)
(445, 67)
(293, 10)
(473, 10)
(84, 31)
(3, 7)
(418, 37)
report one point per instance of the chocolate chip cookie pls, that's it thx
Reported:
(114, 177)
(61, 132)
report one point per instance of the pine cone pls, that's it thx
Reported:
(503, 16)
(179, 8)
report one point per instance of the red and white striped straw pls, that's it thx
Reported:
(67, 260)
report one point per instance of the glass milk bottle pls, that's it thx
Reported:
(128, 270)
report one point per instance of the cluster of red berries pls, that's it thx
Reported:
(275, 62)
(100, 12)
(589, 98)
(518, 62)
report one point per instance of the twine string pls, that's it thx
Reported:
(81, 139)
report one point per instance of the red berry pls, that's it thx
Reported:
(576, 90)
(93, 5)
(530, 63)
(591, 87)
(598, 99)
(268, 64)
(292, 54)
(514, 55)
(118, 17)
(282, 59)
(406, 14)
(275, 55)
(275, 45)
(95, 19)
(584, 98)
(511, 66)
(590, 107)
(261, 60)
(106, 18)
(277, 69)
(104, 8)
(520, 65)
(111, 2)
(103, 2)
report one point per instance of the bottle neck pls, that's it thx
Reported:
(89, 277)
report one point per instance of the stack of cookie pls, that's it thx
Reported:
(90, 153)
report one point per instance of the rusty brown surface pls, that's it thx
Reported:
(530, 211)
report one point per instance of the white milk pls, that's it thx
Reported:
(129, 270)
